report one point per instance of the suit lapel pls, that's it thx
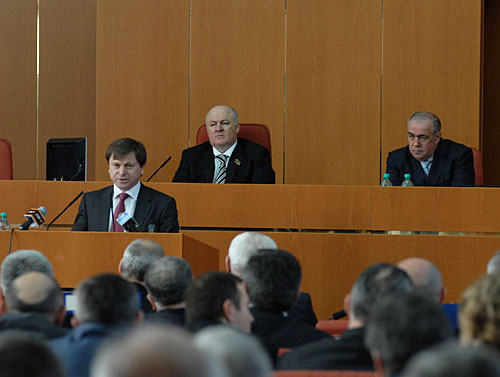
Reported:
(104, 206)
(438, 162)
(237, 158)
(143, 206)
(207, 165)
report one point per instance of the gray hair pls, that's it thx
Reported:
(494, 263)
(21, 262)
(167, 279)
(242, 354)
(234, 114)
(243, 246)
(425, 275)
(138, 257)
(420, 116)
(155, 351)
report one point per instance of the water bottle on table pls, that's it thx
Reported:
(407, 182)
(386, 181)
(4, 223)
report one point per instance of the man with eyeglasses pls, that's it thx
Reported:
(430, 159)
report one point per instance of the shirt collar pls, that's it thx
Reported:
(133, 192)
(228, 153)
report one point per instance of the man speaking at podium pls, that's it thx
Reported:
(430, 159)
(152, 210)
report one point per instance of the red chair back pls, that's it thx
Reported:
(478, 166)
(325, 373)
(5, 159)
(334, 327)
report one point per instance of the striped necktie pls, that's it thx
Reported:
(427, 166)
(120, 208)
(220, 177)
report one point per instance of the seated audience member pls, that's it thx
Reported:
(217, 298)
(425, 276)
(242, 354)
(154, 352)
(138, 256)
(479, 313)
(242, 247)
(23, 356)
(273, 279)
(153, 210)
(104, 305)
(494, 263)
(452, 360)
(34, 306)
(349, 352)
(430, 159)
(166, 282)
(225, 158)
(21, 262)
(402, 325)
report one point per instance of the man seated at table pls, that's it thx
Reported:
(430, 159)
(225, 158)
(152, 210)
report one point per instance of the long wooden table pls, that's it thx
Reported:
(333, 230)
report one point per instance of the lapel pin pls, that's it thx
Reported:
(237, 162)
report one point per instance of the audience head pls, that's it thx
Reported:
(479, 312)
(241, 353)
(425, 276)
(153, 351)
(35, 292)
(167, 280)
(494, 263)
(21, 262)
(218, 297)
(402, 325)
(106, 298)
(242, 247)
(222, 127)
(452, 360)
(23, 356)
(374, 283)
(424, 134)
(138, 257)
(273, 278)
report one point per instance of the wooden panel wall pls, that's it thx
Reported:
(142, 78)
(18, 83)
(333, 91)
(238, 60)
(67, 75)
(431, 62)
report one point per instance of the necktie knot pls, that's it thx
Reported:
(123, 196)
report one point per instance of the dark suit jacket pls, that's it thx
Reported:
(249, 163)
(303, 309)
(453, 165)
(152, 207)
(346, 353)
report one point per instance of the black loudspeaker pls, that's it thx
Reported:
(67, 159)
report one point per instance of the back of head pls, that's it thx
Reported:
(21, 262)
(402, 325)
(167, 280)
(425, 276)
(23, 356)
(242, 354)
(377, 281)
(107, 299)
(206, 294)
(34, 292)
(273, 279)
(451, 360)
(153, 352)
(479, 313)
(122, 147)
(243, 246)
(138, 257)
(494, 263)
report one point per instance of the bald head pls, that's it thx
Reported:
(34, 292)
(243, 246)
(494, 263)
(425, 275)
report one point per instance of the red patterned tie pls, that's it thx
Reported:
(120, 208)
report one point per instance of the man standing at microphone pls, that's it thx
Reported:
(152, 210)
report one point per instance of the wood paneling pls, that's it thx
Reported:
(333, 91)
(142, 79)
(67, 75)
(18, 83)
(238, 60)
(431, 62)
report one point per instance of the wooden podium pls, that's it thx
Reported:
(78, 255)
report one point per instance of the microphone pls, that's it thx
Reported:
(127, 222)
(161, 166)
(338, 315)
(34, 216)
(64, 210)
